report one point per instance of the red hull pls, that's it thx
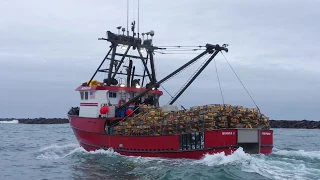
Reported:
(91, 135)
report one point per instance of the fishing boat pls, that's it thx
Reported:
(123, 111)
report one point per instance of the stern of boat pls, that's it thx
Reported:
(255, 141)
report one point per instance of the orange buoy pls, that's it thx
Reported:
(104, 109)
(129, 112)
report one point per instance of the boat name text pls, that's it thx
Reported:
(85, 88)
(266, 133)
(228, 133)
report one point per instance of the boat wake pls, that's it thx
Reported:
(281, 164)
(315, 155)
(56, 151)
(9, 122)
(273, 166)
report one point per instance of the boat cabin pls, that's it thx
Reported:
(112, 98)
(94, 98)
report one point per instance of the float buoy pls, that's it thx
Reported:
(104, 109)
(129, 112)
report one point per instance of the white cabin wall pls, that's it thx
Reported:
(101, 97)
(88, 111)
(85, 110)
(119, 95)
(113, 100)
(93, 111)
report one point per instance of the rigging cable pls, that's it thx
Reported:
(133, 18)
(124, 63)
(180, 46)
(215, 64)
(181, 49)
(154, 62)
(190, 77)
(174, 52)
(241, 82)
(172, 97)
(183, 69)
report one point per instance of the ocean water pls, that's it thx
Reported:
(52, 152)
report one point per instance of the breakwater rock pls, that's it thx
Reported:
(296, 124)
(38, 120)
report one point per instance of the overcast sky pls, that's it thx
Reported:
(48, 48)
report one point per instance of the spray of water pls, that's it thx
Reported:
(279, 165)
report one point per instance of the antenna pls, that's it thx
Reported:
(138, 17)
(127, 17)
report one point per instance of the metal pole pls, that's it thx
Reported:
(100, 66)
(163, 80)
(144, 64)
(114, 48)
(129, 73)
(132, 76)
(194, 77)
(138, 17)
(120, 63)
(152, 68)
(144, 72)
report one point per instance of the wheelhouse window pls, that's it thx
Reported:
(86, 95)
(112, 94)
(81, 95)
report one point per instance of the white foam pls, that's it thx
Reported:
(298, 153)
(142, 160)
(266, 165)
(261, 164)
(56, 151)
(10, 122)
(55, 147)
(222, 159)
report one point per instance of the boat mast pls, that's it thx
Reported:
(154, 80)
(209, 49)
(193, 77)
(136, 43)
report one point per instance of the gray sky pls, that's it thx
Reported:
(48, 48)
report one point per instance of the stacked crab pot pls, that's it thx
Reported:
(153, 121)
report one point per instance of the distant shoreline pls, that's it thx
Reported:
(294, 124)
(38, 120)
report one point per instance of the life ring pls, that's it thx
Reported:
(121, 102)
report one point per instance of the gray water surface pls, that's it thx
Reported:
(52, 152)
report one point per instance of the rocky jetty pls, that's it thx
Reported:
(295, 124)
(38, 120)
